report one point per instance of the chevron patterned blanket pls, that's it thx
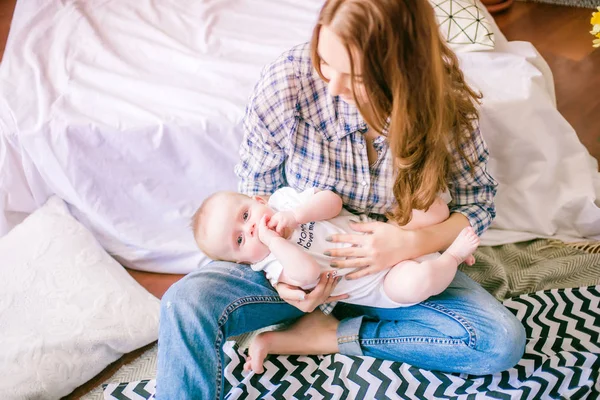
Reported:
(561, 361)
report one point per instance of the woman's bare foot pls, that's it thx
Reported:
(315, 333)
(257, 352)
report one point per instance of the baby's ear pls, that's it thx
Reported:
(259, 199)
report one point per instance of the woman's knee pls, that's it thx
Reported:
(505, 344)
(183, 290)
(206, 291)
(179, 303)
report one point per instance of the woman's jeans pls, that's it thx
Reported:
(464, 329)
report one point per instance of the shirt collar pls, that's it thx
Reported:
(349, 119)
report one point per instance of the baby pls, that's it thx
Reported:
(286, 238)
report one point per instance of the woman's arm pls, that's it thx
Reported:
(472, 190)
(267, 126)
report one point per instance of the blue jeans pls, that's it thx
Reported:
(464, 329)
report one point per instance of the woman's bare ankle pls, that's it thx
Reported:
(259, 350)
(312, 334)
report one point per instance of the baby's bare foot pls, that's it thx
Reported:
(464, 245)
(470, 260)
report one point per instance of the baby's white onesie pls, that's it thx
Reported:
(367, 291)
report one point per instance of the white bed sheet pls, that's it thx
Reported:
(129, 111)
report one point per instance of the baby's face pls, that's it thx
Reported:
(233, 228)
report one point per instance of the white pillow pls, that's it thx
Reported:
(67, 309)
(464, 24)
(549, 185)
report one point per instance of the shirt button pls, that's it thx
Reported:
(361, 146)
(364, 183)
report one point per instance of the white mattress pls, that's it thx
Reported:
(129, 111)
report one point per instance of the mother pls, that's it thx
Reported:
(376, 109)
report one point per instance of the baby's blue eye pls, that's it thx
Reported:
(245, 216)
(239, 240)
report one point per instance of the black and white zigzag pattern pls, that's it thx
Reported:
(141, 390)
(561, 361)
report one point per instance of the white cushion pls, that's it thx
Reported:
(464, 24)
(67, 309)
(549, 185)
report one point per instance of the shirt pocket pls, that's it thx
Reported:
(310, 164)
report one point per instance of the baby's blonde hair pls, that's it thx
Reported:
(199, 228)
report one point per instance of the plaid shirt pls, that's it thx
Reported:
(297, 135)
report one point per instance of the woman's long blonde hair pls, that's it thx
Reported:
(414, 87)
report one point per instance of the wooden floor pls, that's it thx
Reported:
(561, 35)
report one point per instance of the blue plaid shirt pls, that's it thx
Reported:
(297, 135)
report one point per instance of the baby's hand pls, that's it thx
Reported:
(265, 234)
(282, 220)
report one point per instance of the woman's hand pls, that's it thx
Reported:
(307, 301)
(379, 246)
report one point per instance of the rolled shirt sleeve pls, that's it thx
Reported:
(473, 189)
